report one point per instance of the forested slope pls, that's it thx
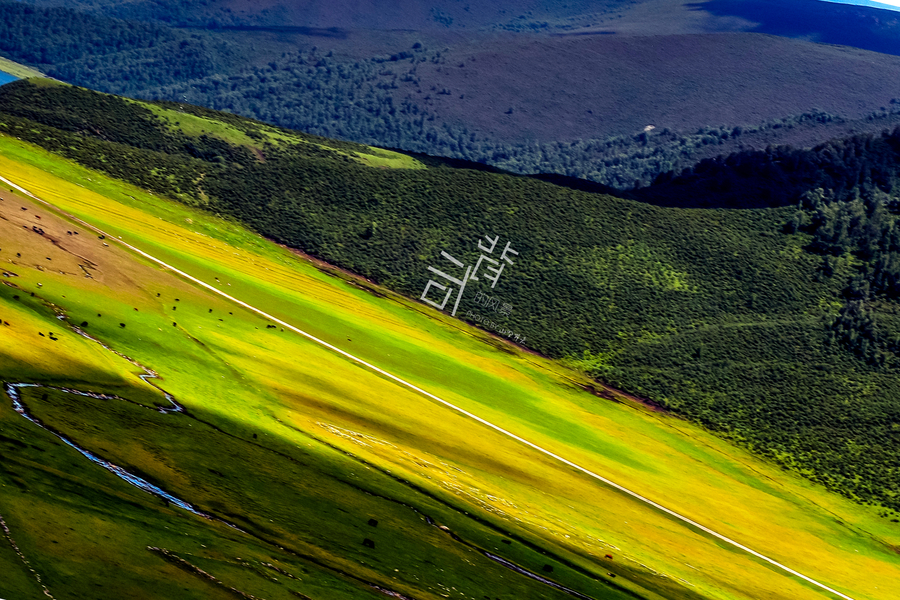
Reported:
(734, 318)
(492, 99)
(73, 45)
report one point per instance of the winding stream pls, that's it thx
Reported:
(535, 576)
(12, 390)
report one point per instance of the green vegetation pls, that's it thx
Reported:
(330, 435)
(304, 502)
(17, 70)
(416, 96)
(128, 51)
(388, 101)
(717, 314)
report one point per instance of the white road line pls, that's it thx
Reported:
(427, 394)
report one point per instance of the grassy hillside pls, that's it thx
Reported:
(300, 448)
(670, 304)
(17, 70)
(281, 471)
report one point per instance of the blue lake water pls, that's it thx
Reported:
(6, 78)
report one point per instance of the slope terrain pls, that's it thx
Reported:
(669, 304)
(327, 480)
(568, 89)
(562, 89)
(344, 14)
(864, 27)
(868, 27)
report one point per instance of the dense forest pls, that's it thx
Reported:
(72, 45)
(846, 197)
(312, 90)
(775, 326)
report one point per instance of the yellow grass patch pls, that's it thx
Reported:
(296, 389)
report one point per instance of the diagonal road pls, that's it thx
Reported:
(431, 396)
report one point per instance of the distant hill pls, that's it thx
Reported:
(575, 105)
(866, 27)
(556, 104)
(594, 86)
(349, 14)
(863, 27)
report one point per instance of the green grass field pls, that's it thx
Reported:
(195, 125)
(17, 70)
(300, 447)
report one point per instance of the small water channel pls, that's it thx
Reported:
(12, 390)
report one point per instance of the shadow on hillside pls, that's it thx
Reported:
(715, 186)
(862, 27)
(689, 192)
